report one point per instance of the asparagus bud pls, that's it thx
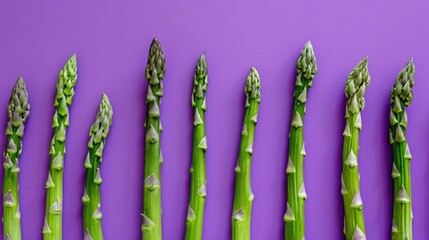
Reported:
(151, 217)
(91, 197)
(243, 199)
(197, 194)
(18, 111)
(52, 229)
(294, 217)
(400, 98)
(357, 82)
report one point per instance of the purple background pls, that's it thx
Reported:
(112, 38)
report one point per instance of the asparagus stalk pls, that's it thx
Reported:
(151, 217)
(400, 98)
(91, 196)
(243, 199)
(296, 195)
(52, 229)
(18, 111)
(197, 198)
(357, 82)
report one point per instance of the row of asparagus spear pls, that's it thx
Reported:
(356, 85)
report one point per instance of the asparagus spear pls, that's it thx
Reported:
(91, 196)
(18, 111)
(357, 82)
(151, 217)
(243, 199)
(296, 195)
(400, 98)
(197, 198)
(52, 229)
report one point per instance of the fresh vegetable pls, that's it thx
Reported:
(52, 229)
(91, 196)
(296, 195)
(400, 98)
(197, 198)
(151, 217)
(243, 199)
(18, 111)
(357, 83)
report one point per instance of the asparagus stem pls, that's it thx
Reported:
(400, 98)
(296, 195)
(52, 229)
(18, 111)
(151, 217)
(357, 82)
(91, 197)
(197, 198)
(243, 199)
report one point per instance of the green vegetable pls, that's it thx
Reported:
(400, 98)
(197, 198)
(18, 111)
(296, 195)
(357, 82)
(155, 70)
(52, 229)
(243, 199)
(91, 196)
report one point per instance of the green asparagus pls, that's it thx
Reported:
(357, 83)
(91, 195)
(52, 229)
(151, 217)
(296, 195)
(400, 98)
(243, 199)
(18, 111)
(197, 198)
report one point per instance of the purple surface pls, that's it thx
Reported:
(112, 39)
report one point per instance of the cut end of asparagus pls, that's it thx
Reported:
(402, 90)
(156, 61)
(18, 107)
(306, 64)
(357, 82)
(253, 85)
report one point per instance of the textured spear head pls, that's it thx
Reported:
(253, 84)
(200, 81)
(101, 126)
(402, 90)
(357, 82)
(155, 61)
(67, 80)
(201, 70)
(306, 64)
(18, 107)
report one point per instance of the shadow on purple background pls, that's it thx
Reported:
(112, 39)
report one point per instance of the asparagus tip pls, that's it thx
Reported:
(202, 63)
(402, 90)
(18, 106)
(253, 84)
(358, 80)
(203, 55)
(306, 64)
(73, 59)
(105, 98)
(363, 63)
(155, 62)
